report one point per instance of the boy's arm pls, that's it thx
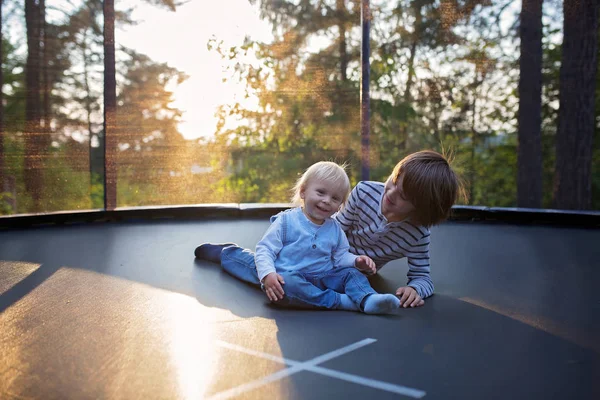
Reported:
(347, 215)
(268, 248)
(418, 271)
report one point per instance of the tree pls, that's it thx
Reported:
(152, 151)
(13, 110)
(110, 100)
(44, 78)
(69, 100)
(307, 99)
(576, 120)
(110, 108)
(529, 173)
(33, 134)
(306, 103)
(2, 171)
(83, 86)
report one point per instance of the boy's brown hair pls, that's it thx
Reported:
(430, 184)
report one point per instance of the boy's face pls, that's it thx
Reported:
(394, 205)
(321, 200)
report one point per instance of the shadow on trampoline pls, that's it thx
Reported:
(18, 279)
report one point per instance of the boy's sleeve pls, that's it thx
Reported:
(418, 270)
(268, 248)
(347, 215)
(341, 254)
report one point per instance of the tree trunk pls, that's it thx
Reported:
(33, 166)
(341, 13)
(529, 174)
(474, 142)
(45, 138)
(406, 96)
(2, 170)
(88, 104)
(572, 176)
(411, 70)
(417, 6)
(110, 108)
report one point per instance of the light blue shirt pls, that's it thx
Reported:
(301, 245)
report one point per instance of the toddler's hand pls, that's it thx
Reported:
(409, 297)
(365, 265)
(272, 285)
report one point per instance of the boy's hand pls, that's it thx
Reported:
(272, 284)
(365, 265)
(409, 297)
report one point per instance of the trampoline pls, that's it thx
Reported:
(113, 305)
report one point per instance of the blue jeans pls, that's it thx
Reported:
(302, 290)
(240, 263)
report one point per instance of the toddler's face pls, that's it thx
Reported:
(394, 205)
(321, 200)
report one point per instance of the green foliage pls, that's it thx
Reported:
(153, 156)
(495, 171)
(311, 104)
(261, 176)
(97, 191)
(443, 76)
(65, 188)
(5, 203)
(131, 193)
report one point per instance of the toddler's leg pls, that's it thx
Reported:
(239, 262)
(300, 293)
(357, 287)
(211, 251)
(347, 304)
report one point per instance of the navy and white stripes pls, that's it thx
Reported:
(369, 233)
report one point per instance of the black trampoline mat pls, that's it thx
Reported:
(122, 310)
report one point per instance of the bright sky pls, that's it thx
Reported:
(180, 39)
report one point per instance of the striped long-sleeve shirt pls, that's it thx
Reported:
(369, 233)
